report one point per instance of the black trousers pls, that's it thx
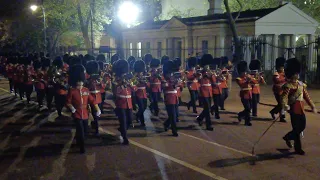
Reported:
(172, 117)
(60, 101)
(28, 88)
(40, 96)
(142, 104)
(255, 101)
(298, 123)
(134, 103)
(125, 118)
(247, 109)
(81, 132)
(216, 103)
(206, 102)
(103, 98)
(95, 122)
(224, 96)
(11, 86)
(50, 92)
(155, 99)
(193, 100)
(277, 109)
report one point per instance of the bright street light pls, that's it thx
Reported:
(33, 7)
(128, 13)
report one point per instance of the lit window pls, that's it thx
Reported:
(130, 47)
(139, 49)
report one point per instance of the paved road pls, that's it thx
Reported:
(40, 146)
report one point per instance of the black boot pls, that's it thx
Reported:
(288, 142)
(199, 121)
(282, 118)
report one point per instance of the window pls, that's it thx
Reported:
(204, 47)
(159, 49)
(139, 49)
(131, 47)
(148, 47)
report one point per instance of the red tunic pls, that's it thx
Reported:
(123, 98)
(279, 80)
(10, 71)
(155, 83)
(29, 73)
(193, 84)
(170, 94)
(94, 88)
(141, 92)
(205, 87)
(80, 99)
(216, 88)
(256, 84)
(40, 80)
(245, 85)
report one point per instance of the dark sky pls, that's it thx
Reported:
(13, 8)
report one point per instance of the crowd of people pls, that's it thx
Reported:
(80, 83)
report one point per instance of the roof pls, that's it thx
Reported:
(211, 19)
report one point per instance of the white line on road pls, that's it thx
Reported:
(183, 163)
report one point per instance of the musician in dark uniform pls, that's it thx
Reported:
(123, 99)
(244, 82)
(78, 99)
(93, 84)
(171, 99)
(279, 79)
(155, 84)
(256, 79)
(141, 91)
(192, 83)
(292, 99)
(206, 91)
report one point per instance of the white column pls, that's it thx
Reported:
(311, 38)
(293, 45)
(268, 52)
(287, 45)
(275, 50)
(248, 51)
(220, 46)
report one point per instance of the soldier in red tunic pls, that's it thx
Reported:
(155, 84)
(141, 91)
(171, 98)
(123, 99)
(192, 83)
(206, 91)
(244, 82)
(256, 79)
(93, 84)
(224, 82)
(9, 68)
(78, 99)
(39, 82)
(216, 93)
(279, 79)
(60, 85)
(294, 93)
(28, 77)
(102, 85)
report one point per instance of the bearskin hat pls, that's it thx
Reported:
(101, 57)
(46, 62)
(121, 67)
(224, 61)
(58, 62)
(130, 59)
(77, 74)
(292, 67)
(114, 58)
(36, 64)
(242, 67)
(101, 65)
(75, 60)
(154, 63)
(88, 57)
(206, 59)
(255, 65)
(92, 67)
(27, 61)
(216, 62)
(147, 58)
(131, 64)
(164, 59)
(139, 66)
(192, 62)
(168, 67)
(66, 58)
(280, 61)
(178, 62)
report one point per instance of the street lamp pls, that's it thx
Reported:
(128, 13)
(34, 8)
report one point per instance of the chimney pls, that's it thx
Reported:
(215, 7)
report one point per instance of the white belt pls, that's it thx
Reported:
(194, 81)
(141, 88)
(156, 83)
(257, 85)
(217, 83)
(94, 92)
(246, 89)
(121, 96)
(171, 92)
(206, 85)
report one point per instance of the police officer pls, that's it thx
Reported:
(279, 79)
(244, 82)
(78, 99)
(294, 93)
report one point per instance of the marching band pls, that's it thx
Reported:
(81, 82)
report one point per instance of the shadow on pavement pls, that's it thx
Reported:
(265, 104)
(284, 153)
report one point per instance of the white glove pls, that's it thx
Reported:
(98, 113)
(287, 108)
(73, 110)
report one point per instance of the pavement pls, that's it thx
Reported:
(41, 146)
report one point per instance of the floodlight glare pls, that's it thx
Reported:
(128, 12)
(33, 7)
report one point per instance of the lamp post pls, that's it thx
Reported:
(34, 8)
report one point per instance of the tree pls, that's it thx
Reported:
(177, 12)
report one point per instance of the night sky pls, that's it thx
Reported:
(13, 8)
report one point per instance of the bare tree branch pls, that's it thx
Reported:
(241, 7)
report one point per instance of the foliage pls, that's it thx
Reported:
(175, 11)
